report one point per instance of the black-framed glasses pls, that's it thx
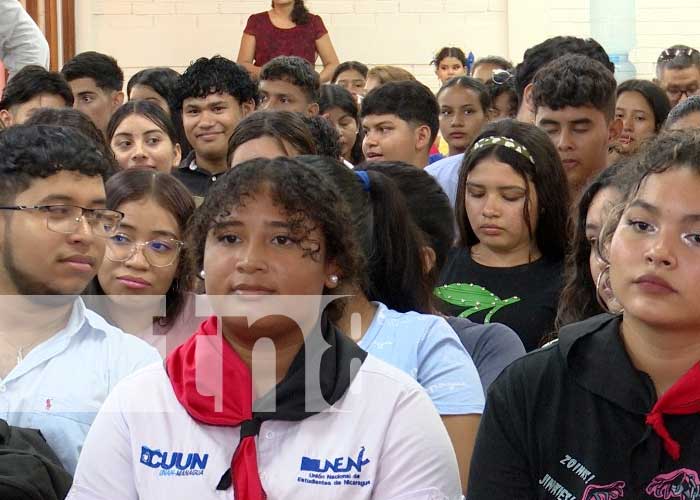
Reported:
(161, 252)
(672, 53)
(501, 76)
(67, 218)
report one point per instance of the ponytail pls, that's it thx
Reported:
(300, 14)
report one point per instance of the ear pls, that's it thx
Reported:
(247, 108)
(6, 118)
(117, 99)
(422, 137)
(527, 110)
(429, 258)
(178, 155)
(313, 109)
(614, 129)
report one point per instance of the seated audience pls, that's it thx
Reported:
(53, 228)
(678, 73)
(485, 68)
(509, 261)
(464, 109)
(270, 227)
(450, 62)
(326, 137)
(141, 135)
(379, 75)
(338, 106)
(504, 99)
(685, 115)
(352, 76)
(289, 84)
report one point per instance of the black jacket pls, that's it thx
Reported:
(568, 422)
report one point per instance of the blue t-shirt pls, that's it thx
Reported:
(426, 348)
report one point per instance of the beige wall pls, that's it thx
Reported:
(401, 32)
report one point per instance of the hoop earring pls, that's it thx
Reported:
(599, 295)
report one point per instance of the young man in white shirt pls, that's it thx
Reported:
(58, 360)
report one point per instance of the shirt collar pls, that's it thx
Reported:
(597, 359)
(189, 164)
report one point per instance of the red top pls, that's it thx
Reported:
(271, 41)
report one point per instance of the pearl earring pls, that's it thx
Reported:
(202, 274)
(334, 279)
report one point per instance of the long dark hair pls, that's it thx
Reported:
(390, 240)
(654, 95)
(547, 175)
(335, 96)
(140, 184)
(279, 125)
(300, 14)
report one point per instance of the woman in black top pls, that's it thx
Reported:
(611, 410)
(511, 216)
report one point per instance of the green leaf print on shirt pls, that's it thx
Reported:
(474, 297)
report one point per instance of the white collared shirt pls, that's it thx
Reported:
(383, 440)
(21, 41)
(61, 384)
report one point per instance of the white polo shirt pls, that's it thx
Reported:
(61, 384)
(383, 440)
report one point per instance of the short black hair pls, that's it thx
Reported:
(32, 81)
(325, 135)
(654, 95)
(162, 80)
(469, 83)
(349, 66)
(501, 62)
(543, 53)
(677, 57)
(295, 70)
(29, 152)
(100, 67)
(410, 100)
(217, 75)
(575, 80)
(495, 90)
(683, 109)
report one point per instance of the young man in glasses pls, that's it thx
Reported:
(678, 72)
(58, 360)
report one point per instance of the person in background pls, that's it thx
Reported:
(287, 29)
(511, 215)
(289, 83)
(351, 75)
(643, 107)
(464, 109)
(21, 41)
(616, 395)
(504, 98)
(538, 56)
(379, 75)
(146, 260)
(270, 227)
(574, 102)
(450, 62)
(492, 346)
(486, 67)
(326, 137)
(339, 107)
(141, 135)
(685, 115)
(159, 85)
(213, 96)
(399, 123)
(585, 294)
(58, 360)
(96, 81)
(30, 89)
(678, 73)
(269, 134)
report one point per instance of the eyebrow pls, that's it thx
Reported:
(500, 188)
(238, 223)
(581, 121)
(655, 210)
(87, 92)
(61, 198)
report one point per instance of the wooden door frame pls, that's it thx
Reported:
(51, 27)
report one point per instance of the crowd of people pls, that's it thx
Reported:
(252, 280)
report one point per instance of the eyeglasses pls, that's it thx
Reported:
(67, 218)
(501, 76)
(675, 93)
(158, 253)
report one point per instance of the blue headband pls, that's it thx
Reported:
(364, 179)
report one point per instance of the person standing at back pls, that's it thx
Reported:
(287, 29)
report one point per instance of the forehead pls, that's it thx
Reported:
(44, 101)
(680, 76)
(76, 188)
(80, 85)
(674, 191)
(457, 93)
(450, 61)
(350, 74)
(691, 120)
(602, 199)
(569, 114)
(260, 147)
(280, 87)
(148, 215)
(212, 98)
(633, 99)
(144, 90)
(136, 123)
(374, 120)
(491, 171)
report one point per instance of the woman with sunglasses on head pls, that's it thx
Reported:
(622, 390)
(512, 206)
(257, 404)
(141, 282)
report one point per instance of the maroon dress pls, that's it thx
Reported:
(271, 41)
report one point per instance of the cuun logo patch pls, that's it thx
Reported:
(174, 463)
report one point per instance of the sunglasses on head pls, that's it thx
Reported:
(672, 53)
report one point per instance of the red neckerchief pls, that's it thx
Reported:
(682, 398)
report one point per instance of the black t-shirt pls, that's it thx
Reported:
(568, 422)
(524, 297)
(197, 179)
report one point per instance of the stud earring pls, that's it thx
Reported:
(202, 274)
(334, 279)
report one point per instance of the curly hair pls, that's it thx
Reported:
(217, 75)
(307, 198)
(100, 67)
(29, 152)
(681, 110)
(295, 70)
(575, 80)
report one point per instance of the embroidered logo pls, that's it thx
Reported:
(683, 484)
(174, 463)
(474, 298)
(610, 491)
(339, 471)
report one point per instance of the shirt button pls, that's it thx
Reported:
(3, 388)
(269, 435)
(262, 476)
(193, 167)
(213, 179)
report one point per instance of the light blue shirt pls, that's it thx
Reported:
(61, 384)
(425, 347)
(446, 173)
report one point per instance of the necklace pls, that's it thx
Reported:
(22, 350)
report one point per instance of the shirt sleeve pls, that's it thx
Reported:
(499, 467)
(319, 29)
(497, 347)
(105, 469)
(252, 27)
(128, 354)
(21, 41)
(417, 460)
(447, 372)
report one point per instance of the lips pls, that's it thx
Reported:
(654, 284)
(208, 136)
(252, 289)
(133, 282)
(490, 229)
(569, 164)
(625, 139)
(374, 156)
(457, 135)
(82, 263)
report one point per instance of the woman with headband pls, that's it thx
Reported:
(512, 204)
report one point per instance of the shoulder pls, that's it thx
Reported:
(384, 380)
(446, 167)
(146, 389)
(316, 22)
(258, 19)
(118, 339)
(477, 336)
